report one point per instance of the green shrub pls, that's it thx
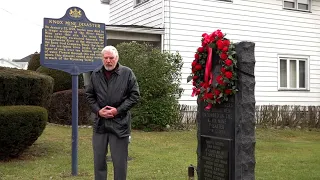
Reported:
(60, 109)
(62, 80)
(158, 75)
(154, 115)
(24, 87)
(20, 127)
(34, 62)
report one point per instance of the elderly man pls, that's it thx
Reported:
(112, 91)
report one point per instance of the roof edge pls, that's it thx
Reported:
(105, 1)
(135, 29)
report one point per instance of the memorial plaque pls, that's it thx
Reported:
(215, 155)
(72, 41)
(217, 141)
(219, 120)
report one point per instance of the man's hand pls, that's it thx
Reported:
(106, 112)
(113, 110)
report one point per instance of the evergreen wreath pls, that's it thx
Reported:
(215, 44)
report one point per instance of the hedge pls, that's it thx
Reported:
(20, 127)
(60, 109)
(62, 80)
(24, 87)
(34, 62)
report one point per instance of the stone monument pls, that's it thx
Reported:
(226, 132)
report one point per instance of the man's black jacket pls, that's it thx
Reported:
(120, 91)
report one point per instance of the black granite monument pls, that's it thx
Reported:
(226, 133)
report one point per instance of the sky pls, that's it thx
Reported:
(22, 22)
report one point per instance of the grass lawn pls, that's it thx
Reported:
(280, 154)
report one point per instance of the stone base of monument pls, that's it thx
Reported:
(226, 133)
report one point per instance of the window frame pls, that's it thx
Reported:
(296, 5)
(138, 4)
(298, 58)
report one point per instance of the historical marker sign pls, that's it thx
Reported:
(72, 44)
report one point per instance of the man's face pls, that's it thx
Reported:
(109, 61)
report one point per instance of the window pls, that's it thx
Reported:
(137, 2)
(293, 73)
(301, 5)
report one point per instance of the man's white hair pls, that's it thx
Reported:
(111, 49)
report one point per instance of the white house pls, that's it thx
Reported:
(10, 64)
(286, 34)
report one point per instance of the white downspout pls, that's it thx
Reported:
(163, 25)
(169, 25)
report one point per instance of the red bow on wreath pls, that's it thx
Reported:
(202, 75)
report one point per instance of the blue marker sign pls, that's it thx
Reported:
(72, 44)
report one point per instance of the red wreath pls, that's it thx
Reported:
(202, 69)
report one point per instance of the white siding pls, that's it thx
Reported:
(273, 30)
(150, 13)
